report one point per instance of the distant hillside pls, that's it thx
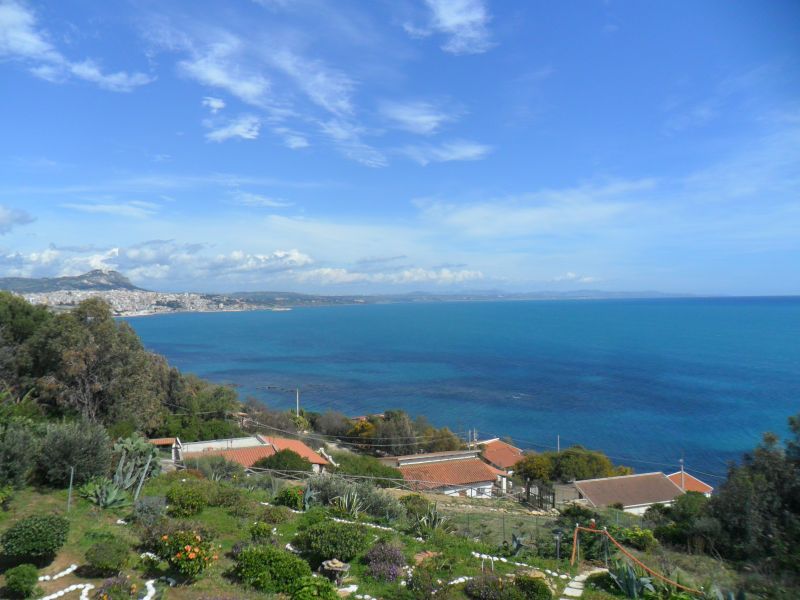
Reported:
(93, 280)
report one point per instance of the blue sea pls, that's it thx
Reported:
(646, 381)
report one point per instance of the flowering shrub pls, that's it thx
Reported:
(314, 588)
(491, 587)
(117, 588)
(291, 497)
(261, 532)
(330, 539)
(385, 561)
(269, 569)
(641, 539)
(38, 537)
(21, 581)
(188, 552)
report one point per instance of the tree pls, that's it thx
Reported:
(534, 468)
(284, 460)
(396, 434)
(332, 423)
(83, 445)
(576, 462)
(19, 447)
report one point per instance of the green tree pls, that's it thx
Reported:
(19, 447)
(284, 460)
(85, 446)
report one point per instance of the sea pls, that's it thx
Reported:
(646, 381)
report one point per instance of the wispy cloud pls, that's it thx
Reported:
(416, 275)
(348, 140)
(258, 201)
(465, 24)
(22, 39)
(213, 104)
(571, 277)
(419, 117)
(246, 127)
(326, 87)
(135, 209)
(11, 217)
(447, 151)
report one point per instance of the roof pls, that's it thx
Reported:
(629, 490)
(430, 457)
(296, 446)
(165, 441)
(501, 454)
(690, 483)
(432, 475)
(244, 456)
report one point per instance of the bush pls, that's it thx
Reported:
(117, 588)
(416, 505)
(291, 496)
(187, 498)
(490, 587)
(260, 532)
(269, 569)
(284, 460)
(108, 557)
(533, 588)
(150, 510)
(225, 495)
(314, 588)
(330, 539)
(641, 539)
(85, 446)
(368, 466)
(187, 551)
(19, 448)
(216, 468)
(21, 581)
(38, 537)
(276, 515)
(385, 561)
(375, 502)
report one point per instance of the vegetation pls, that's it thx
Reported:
(269, 569)
(332, 540)
(573, 463)
(362, 465)
(108, 556)
(21, 581)
(37, 538)
(284, 460)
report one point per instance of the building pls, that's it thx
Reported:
(456, 473)
(636, 493)
(501, 455)
(690, 483)
(247, 450)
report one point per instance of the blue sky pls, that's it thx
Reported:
(403, 145)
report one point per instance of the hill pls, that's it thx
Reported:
(93, 280)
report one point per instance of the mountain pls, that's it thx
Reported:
(93, 280)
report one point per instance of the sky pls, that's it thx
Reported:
(401, 145)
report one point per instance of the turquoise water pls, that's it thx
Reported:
(643, 380)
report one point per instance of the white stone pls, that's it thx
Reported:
(578, 585)
(564, 576)
(572, 592)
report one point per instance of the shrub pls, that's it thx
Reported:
(276, 515)
(19, 448)
(375, 502)
(6, 493)
(333, 540)
(368, 466)
(187, 498)
(533, 588)
(423, 583)
(104, 493)
(291, 496)
(187, 551)
(269, 569)
(491, 587)
(85, 446)
(108, 557)
(38, 537)
(261, 532)
(226, 496)
(117, 588)
(641, 539)
(416, 505)
(385, 561)
(149, 510)
(21, 581)
(284, 460)
(314, 588)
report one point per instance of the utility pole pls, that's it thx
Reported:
(297, 401)
(683, 474)
(558, 443)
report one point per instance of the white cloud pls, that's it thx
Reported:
(279, 260)
(135, 208)
(11, 217)
(338, 276)
(291, 139)
(21, 39)
(213, 104)
(417, 117)
(246, 127)
(326, 87)
(347, 138)
(259, 201)
(447, 151)
(463, 22)
(570, 277)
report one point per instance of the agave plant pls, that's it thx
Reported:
(138, 459)
(517, 545)
(104, 493)
(432, 520)
(349, 503)
(631, 583)
(715, 593)
(309, 498)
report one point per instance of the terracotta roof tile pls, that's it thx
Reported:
(501, 454)
(296, 446)
(630, 490)
(244, 456)
(690, 483)
(432, 475)
(165, 441)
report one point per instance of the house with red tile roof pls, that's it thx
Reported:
(247, 450)
(500, 454)
(636, 493)
(690, 483)
(455, 473)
